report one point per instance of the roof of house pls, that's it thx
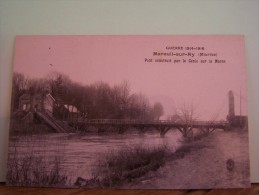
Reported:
(49, 95)
(71, 108)
(25, 96)
(28, 96)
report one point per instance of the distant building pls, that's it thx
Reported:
(234, 120)
(71, 108)
(36, 102)
(237, 121)
(69, 112)
(231, 101)
(175, 118)
(44, 103)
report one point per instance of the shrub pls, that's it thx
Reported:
(33, 171)
(29, 169)
(129, 163)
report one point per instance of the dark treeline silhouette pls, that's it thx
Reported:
(96, 100)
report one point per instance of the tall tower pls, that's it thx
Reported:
(231, 106)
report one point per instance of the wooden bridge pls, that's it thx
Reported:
(143, 125)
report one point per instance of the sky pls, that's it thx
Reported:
(114, 59)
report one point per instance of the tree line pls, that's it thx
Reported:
(95, 100)
(99, 100)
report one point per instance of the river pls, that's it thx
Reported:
(78, 153)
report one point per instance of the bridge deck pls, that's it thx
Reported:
(117, 122)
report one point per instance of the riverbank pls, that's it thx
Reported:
(200, 164)
(204, 166)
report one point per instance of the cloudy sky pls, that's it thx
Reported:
(112, 59)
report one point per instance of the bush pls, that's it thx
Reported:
(29, 169)
(117, 167)
(33, 171)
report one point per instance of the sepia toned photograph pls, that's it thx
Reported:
(129, 112)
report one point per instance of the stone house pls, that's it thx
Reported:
(36, 102)
(70, 112)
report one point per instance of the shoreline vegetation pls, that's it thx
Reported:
(116, 168)
(129, 164)
(32, 170)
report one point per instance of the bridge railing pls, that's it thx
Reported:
(146, 122)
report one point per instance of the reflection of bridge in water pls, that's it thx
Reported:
(163, 126)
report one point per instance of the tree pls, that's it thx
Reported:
(187, 114)
(122, 97)
(158, 110)
(102, 100)
(19, 87)
(141, 106)
(59, 87)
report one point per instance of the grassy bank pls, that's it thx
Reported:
(116, 168)
(127, 165)
(203, 164)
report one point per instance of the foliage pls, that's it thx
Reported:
(96, 100)
(128, 164)
(187, 115)
(31, 170)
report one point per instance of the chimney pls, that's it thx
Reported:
(231, 108)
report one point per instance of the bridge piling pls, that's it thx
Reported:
(163, 130)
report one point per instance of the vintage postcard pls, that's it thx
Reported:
(129, 112)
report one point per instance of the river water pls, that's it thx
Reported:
(78, 153)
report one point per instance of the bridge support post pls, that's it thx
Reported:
(122, 129)
(163, 130)
(101, 128)
(207, 130)
(186, 131)
(142, 128)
